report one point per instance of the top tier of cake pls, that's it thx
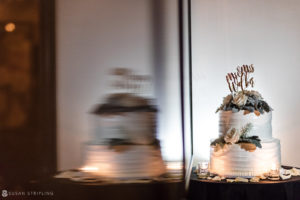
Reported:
(261, 125)
(125, 117)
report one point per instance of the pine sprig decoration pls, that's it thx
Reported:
(255, 140)
(251, 139)
(246, 129)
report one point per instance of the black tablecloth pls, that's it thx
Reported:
(264, 190)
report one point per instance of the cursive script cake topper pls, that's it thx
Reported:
(240, 79)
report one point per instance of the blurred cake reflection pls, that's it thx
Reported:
(124, 144)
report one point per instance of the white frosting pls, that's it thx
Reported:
(136, 127)
(126, 161)
(235, 161)
(261, 125)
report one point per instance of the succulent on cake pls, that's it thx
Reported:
(240, 98)
(236, 136)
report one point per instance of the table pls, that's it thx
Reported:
(264, 190)
(155, 190)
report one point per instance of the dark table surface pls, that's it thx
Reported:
(264, 190)
(144, 190)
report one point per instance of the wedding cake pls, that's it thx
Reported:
(124, 144)
(245, 147)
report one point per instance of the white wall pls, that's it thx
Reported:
(227, 33)
(94, 36)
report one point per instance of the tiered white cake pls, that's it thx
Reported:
(234, 161)
(125, 144)
(245, 146)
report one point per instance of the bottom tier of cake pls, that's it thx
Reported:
(124, 161)
(234, 161)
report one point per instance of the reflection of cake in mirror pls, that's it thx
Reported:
(124, 144)
(245, 146)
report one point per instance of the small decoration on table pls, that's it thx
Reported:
(263, 177)
(212, 174)
(285, 176)
(274, 174)
(266, 175)
(274, 178)
(203, 176)
(217, 178)
(240, 179)
(295, 171)
(230, 180)
(255, 179)
(203, 167)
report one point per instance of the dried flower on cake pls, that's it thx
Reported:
(248, 146)
(232, 136)
(237, 136)
(227, 99)
(221, 148)
(254, 93)
(240, 99)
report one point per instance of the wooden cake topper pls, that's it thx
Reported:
(240, 78)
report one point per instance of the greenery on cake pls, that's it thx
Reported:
(240, 98)
(244, 138)
(235, 136)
